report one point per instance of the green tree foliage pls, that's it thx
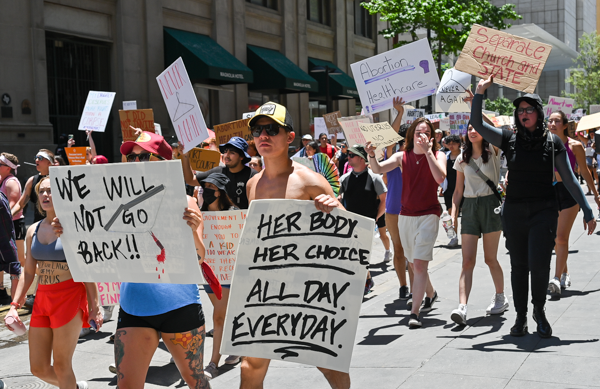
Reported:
(501, 105)
(449, 20)
(587, 83)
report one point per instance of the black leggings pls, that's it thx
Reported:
(530, 230)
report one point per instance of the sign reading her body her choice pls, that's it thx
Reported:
(179, 96)
(452, 91)
(408, 72)
(331, 121)
(226, 131)
(96, 111)
(514, 62)
(298, 284)
(124, 222)
(136, 118)
(555, 103)
(221, 237)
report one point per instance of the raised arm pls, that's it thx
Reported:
(92, 144)
(399, 106)
(489, 133)
(389, 164)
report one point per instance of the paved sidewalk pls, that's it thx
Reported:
(389, 355)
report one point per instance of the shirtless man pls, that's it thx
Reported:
(283, 179)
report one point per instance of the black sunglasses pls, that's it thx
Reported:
(272, 129)
(528, 110)
(143, 157)
(350, 155)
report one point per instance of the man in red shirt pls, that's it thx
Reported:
(325, 147)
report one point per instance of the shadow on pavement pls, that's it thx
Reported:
(528, 343)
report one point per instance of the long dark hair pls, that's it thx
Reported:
(225, 202)
(315, 146)
(468, 149)
(410, 134)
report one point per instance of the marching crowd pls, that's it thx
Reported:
(519, 182)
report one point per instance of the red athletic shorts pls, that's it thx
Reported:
(57, 304)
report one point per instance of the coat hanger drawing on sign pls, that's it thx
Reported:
(183, 107)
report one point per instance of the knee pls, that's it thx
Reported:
(491, 261)
(561, 240)
(468, 264)
(218, 319)
(62, 367)
(420, 267)
(40, 371)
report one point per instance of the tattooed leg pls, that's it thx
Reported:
(187, 349)
(134, 348)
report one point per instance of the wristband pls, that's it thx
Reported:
(371, 156)
(16, 305)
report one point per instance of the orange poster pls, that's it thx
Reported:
(76, 155)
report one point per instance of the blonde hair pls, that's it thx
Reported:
(38, 204)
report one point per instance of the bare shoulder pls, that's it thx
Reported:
(576, 145)
(254, 179)
(31, 229)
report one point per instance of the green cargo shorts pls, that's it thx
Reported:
(478, 216)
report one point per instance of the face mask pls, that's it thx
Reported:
(209, 195)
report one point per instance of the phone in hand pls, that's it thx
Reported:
(70, 136)
(93, 325)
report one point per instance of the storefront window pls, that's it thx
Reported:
(319, 11)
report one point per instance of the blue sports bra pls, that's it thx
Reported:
(47, 252)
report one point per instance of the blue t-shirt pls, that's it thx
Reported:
(156, 299)
(393, 202)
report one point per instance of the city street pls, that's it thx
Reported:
(389, 355)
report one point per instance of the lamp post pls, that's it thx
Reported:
(329, 71)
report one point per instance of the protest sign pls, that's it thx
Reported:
(514, 62)
(407, 72)
(298, 284)
(76, 155)
(594, 109)
(577, 115)
(124, 222)
(445, 124)
(221, 237)
(109, 293)
(413, 114)
(450, 95)
(588, 122)
(380, 135)
(436, 117)
(136, 118)
(127, 105)
(96, 111)
(203, 160)
(226, 131)
(248, 115)
(559, 104)
(331, 121)
(320, 127)
(179, 96)
(459, 123)
(352, 130)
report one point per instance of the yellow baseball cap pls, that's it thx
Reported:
(274, 111)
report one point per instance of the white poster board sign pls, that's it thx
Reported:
(452, 91)
(408, 72)
(559, 104)
(221, 237)
(248, 115)
(129, 105)
(298, 284)
(459, 123)
(109, 293)
(124, 222)
(320, 127)
(413, 114)
(178, 93)
(96, 111)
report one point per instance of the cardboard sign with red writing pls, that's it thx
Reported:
(137, 118)
(226, 131)
(514, 62)
(109, 293)
(331, 121)
(76, 155)
(203, 160)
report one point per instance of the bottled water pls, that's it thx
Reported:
(447, 223)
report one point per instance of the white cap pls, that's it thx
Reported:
(307, 136)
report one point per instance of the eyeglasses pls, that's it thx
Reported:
(142, 157)
(48, 191)
(529, 109)
(39, 158)
(272, 129)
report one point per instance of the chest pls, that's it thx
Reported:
(534, 161)
(291, 188)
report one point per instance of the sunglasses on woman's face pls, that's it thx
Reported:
(272, 129)
(520, 111)
(142, 157)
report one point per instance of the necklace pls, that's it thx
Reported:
(419, 160)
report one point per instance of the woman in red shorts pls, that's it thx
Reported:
(62, 306)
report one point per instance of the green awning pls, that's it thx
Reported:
(205, 60)
(273, 70)
(341, 86)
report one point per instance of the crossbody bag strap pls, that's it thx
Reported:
(551, 143)
(485, 178)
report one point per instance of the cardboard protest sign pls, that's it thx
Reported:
(203, 160)
(96, 111)
(109, 293)
(588, 122)
(331, 122)
(413, 114)
(594, 109)
(380, 135)
(459, 123)
(136, 118)
(514, 62)
(179, 96)
(221, 237)
(76, 155)
(559, 104)
(352, 130)
(226, 131)
(298, 284)
(407, 72)
(124, 222)
(450, 95)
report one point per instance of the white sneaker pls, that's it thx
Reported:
(388, 256)
(453, 242)
(84, 332)
(554, 287)
(82, 385)
(232, 359)
(498, 305)
(211, 371)
(459, 315)
(565, 281)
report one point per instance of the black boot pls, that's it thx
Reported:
(543, 327)
(520, 327)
